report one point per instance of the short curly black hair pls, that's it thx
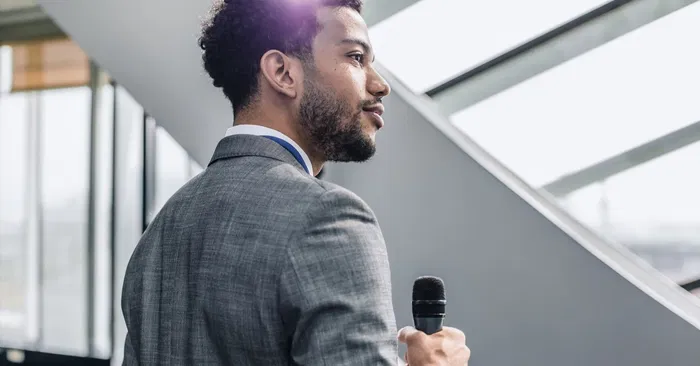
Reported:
(239, 32)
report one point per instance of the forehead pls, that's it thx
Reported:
(338, 23)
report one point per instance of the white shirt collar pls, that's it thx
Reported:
(257, 130)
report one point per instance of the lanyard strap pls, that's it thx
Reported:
(291, 150)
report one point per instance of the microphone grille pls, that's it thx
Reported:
(428, 288)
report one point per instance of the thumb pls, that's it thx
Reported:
(406, 332)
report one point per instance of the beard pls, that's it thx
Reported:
(333, 126)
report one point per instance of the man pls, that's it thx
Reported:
(255, 261)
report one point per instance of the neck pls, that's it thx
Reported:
(284, 126)
(316, 163)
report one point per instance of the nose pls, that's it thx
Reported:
(376, 84)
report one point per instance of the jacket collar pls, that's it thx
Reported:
(250, 145)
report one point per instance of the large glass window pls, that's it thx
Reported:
(619, 96)
(625, 93)
(14, 218)
(64, 124)
(128, 187)
(652, 209)
(172, 167)
(71, 199)
(457, 35)
(44, 194)
(195, 168)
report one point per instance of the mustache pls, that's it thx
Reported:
(371, 102)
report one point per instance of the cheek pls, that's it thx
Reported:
(359, 83)
(350, 83)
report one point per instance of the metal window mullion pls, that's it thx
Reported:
(92, 210)
(113, 225)
(148, 182)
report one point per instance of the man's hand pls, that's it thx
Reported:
(444, 348)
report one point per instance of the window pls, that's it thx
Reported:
(15, 257)
(172, 167)
(621, 95)
(195, 168)
(652, 209)
(44, 195)
(54, 295)
(64, 159)
(436, 40)
(128, 187)
(618, 96)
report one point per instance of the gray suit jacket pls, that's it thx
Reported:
(255, 262)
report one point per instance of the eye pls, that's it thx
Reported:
(357, 57)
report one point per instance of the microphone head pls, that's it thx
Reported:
(428, 288)
(428, 304)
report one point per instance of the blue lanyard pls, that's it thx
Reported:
(291, 150)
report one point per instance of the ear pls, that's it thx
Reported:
(281, 72)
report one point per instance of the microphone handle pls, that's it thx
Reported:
(428, 325)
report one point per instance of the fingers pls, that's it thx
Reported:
(455, 333)
(406, 333)
(462, 353)
(447, 346)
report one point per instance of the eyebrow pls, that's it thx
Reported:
(366, 47)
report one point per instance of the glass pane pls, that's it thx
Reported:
(454, 36)
(65, 166)
(195, 168)
(618, 96)
(652, 209)
(172, 167)
(129, 200)
(5, 69)
(14, 256)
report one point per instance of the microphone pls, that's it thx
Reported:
(428, 304)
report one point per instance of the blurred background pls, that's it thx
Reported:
(557, 143)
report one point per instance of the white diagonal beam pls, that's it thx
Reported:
(624, 161)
